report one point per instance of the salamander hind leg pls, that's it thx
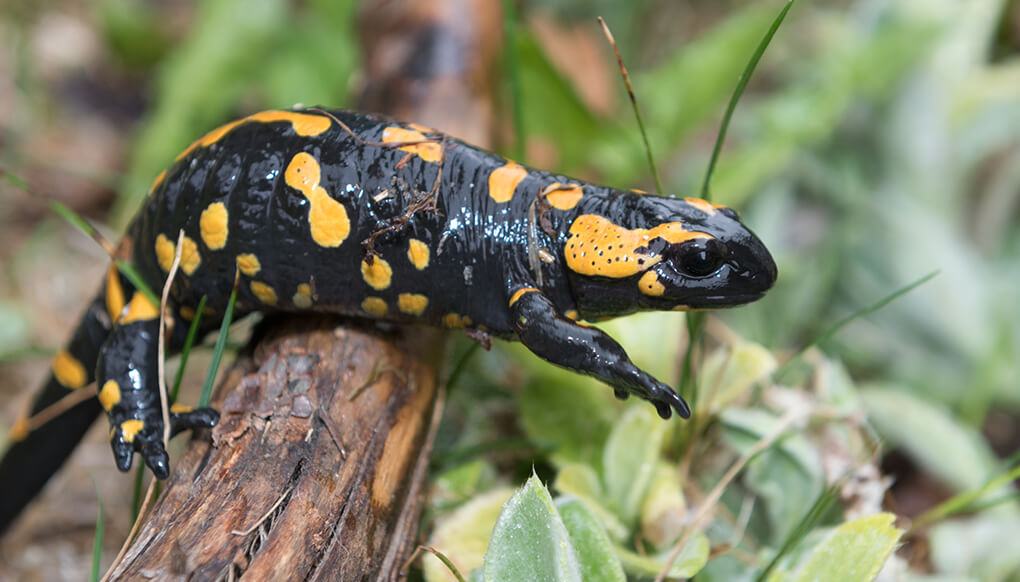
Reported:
(127, 379)
(588, 350)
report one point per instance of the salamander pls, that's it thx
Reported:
(339, 212)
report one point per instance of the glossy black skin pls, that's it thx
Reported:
(482, 253)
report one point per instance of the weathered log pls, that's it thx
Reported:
(315, 470)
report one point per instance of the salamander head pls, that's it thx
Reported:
(663, 253)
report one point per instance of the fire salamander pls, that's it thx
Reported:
(346, 213)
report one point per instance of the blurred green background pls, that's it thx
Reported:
(878, 141)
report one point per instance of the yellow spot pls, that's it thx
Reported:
(114, 293)
(374, 305)
(704, 205)
(190, 259)
(186, 313)
(650, 285)
(303, 297)
(377, 273)
(429, 151)
(681, 308)
(264, 292)
(327, 217)
(248, 264)
(421, 128)
(131, 428)
(165, 251)
(597, 246)
(303, 124)
(412, 303)
(418, 254)
(19, 430)
(562, 196)
(213, 226)
(517, 294)
(69, 371)
(572, 314)
(139, 309)
(159, 180)
(109, 395)
(638, 191)
(180, 408)
(455, 320)
(504, 180)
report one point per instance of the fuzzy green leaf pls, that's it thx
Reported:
(854, 552)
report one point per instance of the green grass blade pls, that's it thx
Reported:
(835, 328)
(14, 180)
(966, 501)
(822, 503)
(97, 543)
(221, 342)
(634, 106)
(513, 69)
(695, 333)
(737, 93)
(132, 274)
(61, 210)
(186, 350)
(458, 368)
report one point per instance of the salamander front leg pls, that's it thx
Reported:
(129, 392)
(565, 343)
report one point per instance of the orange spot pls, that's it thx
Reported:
(159, 180)
(303, 297)
(517, 294)
(412, 303)
(19, 430)
(69, 371)
(139, 309)
(503, 181)
(418, 254)
(377, 274)
(180, 408)
(303, 124)
(131, 428)
(186, 313)
(213, 226)
(166, 249)
(704, 205)
(327, 218)
(649, 284)
(374, 306)
(597, 246)
(456, 320)
(248, 264)
(429, 151)
(571, 314)
(109, 395)
(265, 293)
(114, 293)
(563, 197)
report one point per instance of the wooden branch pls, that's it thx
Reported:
(308, 475)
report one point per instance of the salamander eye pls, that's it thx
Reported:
(700, 257)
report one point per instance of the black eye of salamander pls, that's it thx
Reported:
(700, 257)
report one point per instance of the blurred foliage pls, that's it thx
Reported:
(879, 141)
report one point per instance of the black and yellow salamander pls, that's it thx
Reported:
(346, 213)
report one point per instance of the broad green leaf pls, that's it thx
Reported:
(629, 459)
(653, 341)
(854, 552)
(954, 453)
(581, 481)
(594, 549)
(691, 559)
(664, 512)
(464, 534)
(728, 374)
(529, 541)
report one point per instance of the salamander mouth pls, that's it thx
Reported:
(731, 300)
